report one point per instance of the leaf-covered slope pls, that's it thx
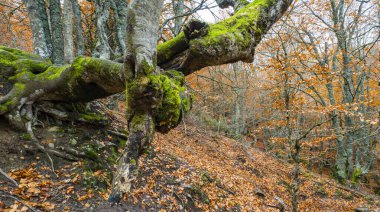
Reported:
(195, 171)
(232, 175)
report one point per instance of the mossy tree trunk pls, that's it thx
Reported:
(142, 26)
(156, 98)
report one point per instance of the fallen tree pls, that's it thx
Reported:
(156, 96)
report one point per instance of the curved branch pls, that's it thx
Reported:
(31, 78)
(228, 41)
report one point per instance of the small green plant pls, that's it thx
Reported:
(123, 143)
(356, 175)
(25, 137)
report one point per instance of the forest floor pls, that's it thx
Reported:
(192, 170)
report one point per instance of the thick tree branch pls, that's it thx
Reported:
(228, 41)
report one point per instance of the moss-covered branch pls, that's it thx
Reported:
(230, 40)
(28, 79)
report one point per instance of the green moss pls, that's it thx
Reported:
(91, 117)
(7, 58)
(92, 152)
(133, 162)
(94, 118)
(147, 68)
(138, 121)
(175, 101)
(238, 28)
(18, 89)
(101, 66)
(167, 50)
(19, 86)
(170, 110)
(21, 54)
(3, 109)
(34, 66)
(79, 65)
(53, 72)
(24, 65)
(25, 137)
(162, 94)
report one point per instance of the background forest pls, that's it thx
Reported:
(310, 98)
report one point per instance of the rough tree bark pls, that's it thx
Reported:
(56, 31)
(156, 99)
(68, 30)
(37, 25)
(102, 48)
(120, 10)
(78, 29)
(179, 8)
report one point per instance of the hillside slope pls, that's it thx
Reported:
(196, 170)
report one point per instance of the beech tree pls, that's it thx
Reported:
(151, 75)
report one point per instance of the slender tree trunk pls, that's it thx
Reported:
(266, 139)
(78, 29)
(341, 155)
(368, 156)
(68, 30)
(348, 89)
(362, 128)
(243, 91)
(348, 92)
(236, 90)
(102, 48)
(120, 9)
(296, 176)
(56, 31)
(179, 8)
(45, 20)
(37, 25)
